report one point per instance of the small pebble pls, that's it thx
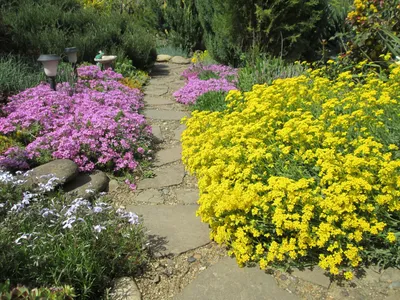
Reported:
(156, 279)
(345, 293)
(191, 259)
(197, 255)
(283, 277)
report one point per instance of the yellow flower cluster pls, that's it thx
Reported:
(201, 57)
(305, 168)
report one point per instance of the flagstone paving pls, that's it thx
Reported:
(187, 266)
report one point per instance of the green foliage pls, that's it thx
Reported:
(278, 28)
(210, 101)
(47, 26)
(374, 29)
(17, 74)
(183, 26)
(139, 46)
(38, 248)
(6, 142)
(124, 66)
(207, 74)
(266, 70)
(21, 292)
(168, 49)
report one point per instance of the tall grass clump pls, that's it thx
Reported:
(17, 74)
(265, 70)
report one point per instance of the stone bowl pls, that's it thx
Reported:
(106, 59)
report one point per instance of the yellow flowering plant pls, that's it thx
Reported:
(305, 170)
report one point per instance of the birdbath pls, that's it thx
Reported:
(106, 61)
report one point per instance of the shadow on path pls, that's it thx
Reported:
(160, 70)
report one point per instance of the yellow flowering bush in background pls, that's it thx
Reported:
(304, 170)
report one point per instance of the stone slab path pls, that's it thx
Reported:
(225, 280)
(188, 265)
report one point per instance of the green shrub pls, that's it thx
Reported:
(183, 25)
(52, 240)
(374, 29)
(278, 28)
(47, 26)
(266, 70)
(210, 101)
(139, 46)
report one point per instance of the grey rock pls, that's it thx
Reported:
(187, 196)
(315, 275)
(172, 229)
(151, 100)
(167, 156)
(87, 185)
(180, 60)
(164, 114)
(156, 91)
(178, 132)
(113, 185)
(156, 279)
(157, 133)
(168, 176)
(150, 196)
(395, 285)
(225, 280)
(64, 169)
(390, 275)
(125, 288)
(163, 58)
(191, 259)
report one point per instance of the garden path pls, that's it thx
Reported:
(188, 266)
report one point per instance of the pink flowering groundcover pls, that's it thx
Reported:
(226, 80)
(98, 126)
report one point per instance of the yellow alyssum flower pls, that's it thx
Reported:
(299, 168)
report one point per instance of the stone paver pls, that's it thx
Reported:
(125, 288)
(167, 156)
(163, 58)
(178, 132)
(226, 281)
(172, 228)
(315, 275)
(168, 176)
(164, 114)
(187, 196)
(150, 196)
(180, 60)
(151, 100)
(156, 91)
(390, 275)
(157, 133)
(87, 185)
